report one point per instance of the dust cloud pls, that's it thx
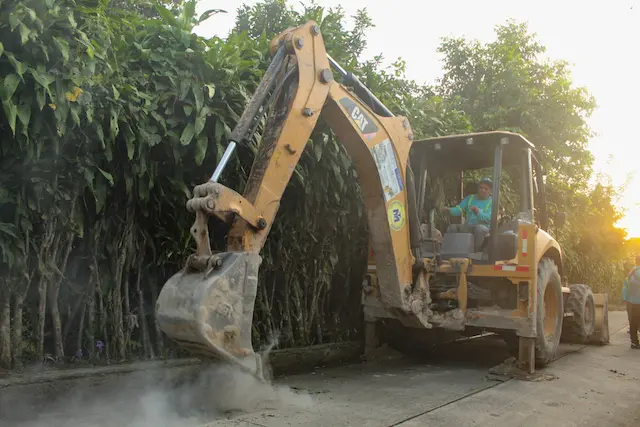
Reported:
(179, 397)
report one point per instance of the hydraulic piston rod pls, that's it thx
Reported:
(248, 115)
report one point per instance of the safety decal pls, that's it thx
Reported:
(388, 169)
(395, 213)
(362, 120)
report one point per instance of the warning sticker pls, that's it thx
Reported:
(388, 169)
(395, 213)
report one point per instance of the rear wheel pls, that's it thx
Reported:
(550, 312)
(578, 328)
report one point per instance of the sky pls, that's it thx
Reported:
(601, 40)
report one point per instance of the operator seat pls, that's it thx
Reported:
(464, 237)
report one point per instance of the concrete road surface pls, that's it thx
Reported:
(585, 386)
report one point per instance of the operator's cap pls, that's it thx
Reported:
(486, 181)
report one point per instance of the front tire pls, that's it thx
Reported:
(550, 312)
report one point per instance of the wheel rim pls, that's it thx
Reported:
(550, 312)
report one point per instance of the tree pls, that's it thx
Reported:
(508, 84)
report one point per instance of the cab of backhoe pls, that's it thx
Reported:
(506, 280)
(447, 169)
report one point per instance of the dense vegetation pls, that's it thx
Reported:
(112, 110)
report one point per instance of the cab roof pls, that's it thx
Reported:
(471, 150)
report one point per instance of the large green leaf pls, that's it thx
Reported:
(201, 120)
(107, 175)
(209, 13)
(11, 112)
(24, 33)
(198, 95)
(41, 97)
(201, 149)
(187, 134)
(9, 86)
(41, 76)
(24, 113)
(63, 47)
(211, 89)
(166, 15)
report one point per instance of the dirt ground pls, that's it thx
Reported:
(585, 386)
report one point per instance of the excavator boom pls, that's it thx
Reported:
(208, 306)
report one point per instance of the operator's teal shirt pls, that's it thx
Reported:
(484, 210)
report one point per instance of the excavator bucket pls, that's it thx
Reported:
(210, 312)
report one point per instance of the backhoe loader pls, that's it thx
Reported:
(413, 279)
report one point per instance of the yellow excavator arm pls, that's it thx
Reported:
(208, 306)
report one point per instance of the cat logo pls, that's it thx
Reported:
(362, 120)
(358, 116)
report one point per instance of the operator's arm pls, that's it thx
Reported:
(625, 286)
(460, 207)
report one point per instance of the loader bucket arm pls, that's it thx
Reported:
(208, 306)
